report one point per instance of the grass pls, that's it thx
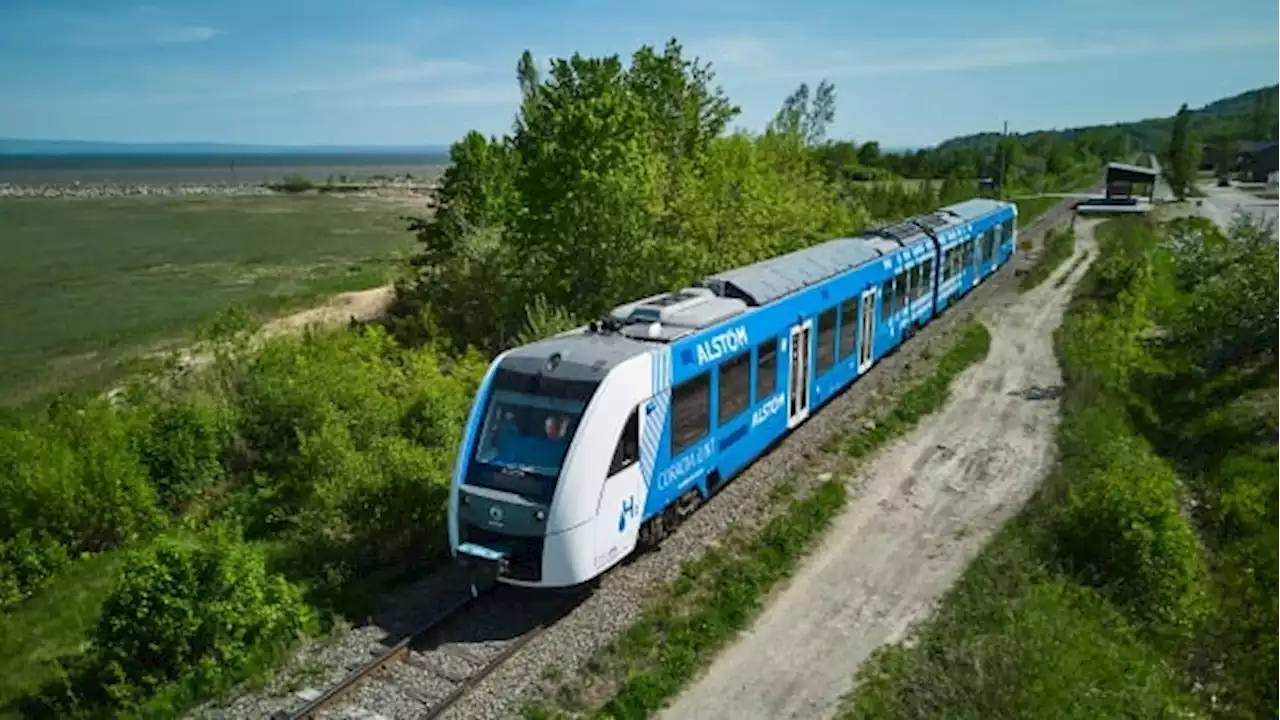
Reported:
(1059, 246)
(89, 281)
(54, 623)
(1031, 208)
(1012, 640)
(718, 595)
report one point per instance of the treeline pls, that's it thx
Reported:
(1142, 580)
(1028, 164)
(238, 508)
(1249, 115)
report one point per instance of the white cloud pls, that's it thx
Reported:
(888, 57)
(495, 94)
(170, 34)
(736, 52)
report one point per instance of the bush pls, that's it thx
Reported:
(70, 482)
(196, 610)
(1122, 530)
(182, 444)
(1050, 649)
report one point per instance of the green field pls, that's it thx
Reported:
(87, 282)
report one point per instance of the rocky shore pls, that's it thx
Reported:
(96, 190)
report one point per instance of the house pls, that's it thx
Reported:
(1257, 160)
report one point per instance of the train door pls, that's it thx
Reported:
(980, 256)
(866, 330)
(798, 390)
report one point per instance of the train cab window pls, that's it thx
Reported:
(766, 368)
(848, 324)
(628, 450)
(886, 300)
(690, 412)
(734, 389)
(826, 340)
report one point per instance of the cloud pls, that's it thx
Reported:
(170, 34)
(494, 94)
(737, 52)
(875, 58)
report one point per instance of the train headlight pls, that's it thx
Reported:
(539, 515)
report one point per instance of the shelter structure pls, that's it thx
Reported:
(1121, 178)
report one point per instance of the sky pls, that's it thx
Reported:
(908, 73)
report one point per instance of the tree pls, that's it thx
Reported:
(869, 154)
(1224, 149)
(1181, 154)
(1262, 121)
(804, 120)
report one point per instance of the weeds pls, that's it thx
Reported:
(1059, 244)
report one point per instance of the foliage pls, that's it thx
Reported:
(180, 608)
(1182, 155)
(335, 448)
(1012, 641)
(617, 182)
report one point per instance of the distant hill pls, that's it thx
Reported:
(17, 146)
(1232, 115)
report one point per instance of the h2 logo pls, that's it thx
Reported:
(628, 510)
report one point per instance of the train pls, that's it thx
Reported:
(583, 448)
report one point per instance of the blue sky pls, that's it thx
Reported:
(907, 72)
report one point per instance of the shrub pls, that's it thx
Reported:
(182, 444)
(1122, 530)
(183, 609)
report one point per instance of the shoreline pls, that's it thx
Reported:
(116, 189)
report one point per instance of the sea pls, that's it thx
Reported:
(194, 169)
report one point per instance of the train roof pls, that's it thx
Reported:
(580, 355)
(976, 208)
(768, 280)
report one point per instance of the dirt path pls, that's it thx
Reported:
(919, 512)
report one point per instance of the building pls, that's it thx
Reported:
(1257, 160)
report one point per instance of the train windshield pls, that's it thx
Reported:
(527, 435)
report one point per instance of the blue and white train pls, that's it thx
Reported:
(582, 446)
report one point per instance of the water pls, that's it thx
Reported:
(31, 170)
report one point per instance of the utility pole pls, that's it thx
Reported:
(1000, 154)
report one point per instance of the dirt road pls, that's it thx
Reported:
(919, 511)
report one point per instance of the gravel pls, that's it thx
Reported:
(618, 600)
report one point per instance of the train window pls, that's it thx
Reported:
(848, 324)
(917, 282)
(886, 300)
(628, 449)
(735, 387)
(766, 368)
(900, 292)
(690, 412)
(928, 275)
(826, 340)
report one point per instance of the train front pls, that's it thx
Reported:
(512, 459)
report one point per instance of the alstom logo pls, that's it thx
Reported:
(726, 343)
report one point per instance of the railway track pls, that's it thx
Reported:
(432, 667)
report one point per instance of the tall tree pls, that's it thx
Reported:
(1262, 122)
(1182, 154)
(804, 120)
